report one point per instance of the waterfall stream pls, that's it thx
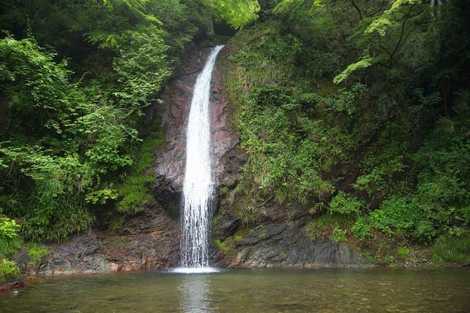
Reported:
(198, 186)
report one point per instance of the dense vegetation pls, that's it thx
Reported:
(359, 113)
(76, 80)
(356, 111)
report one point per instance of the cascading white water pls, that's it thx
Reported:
(198, 185)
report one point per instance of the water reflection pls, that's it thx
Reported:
(195, 293)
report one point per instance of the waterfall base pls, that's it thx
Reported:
(195, 270)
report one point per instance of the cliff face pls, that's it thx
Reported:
(174, 112)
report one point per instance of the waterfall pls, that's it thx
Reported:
(198, 186)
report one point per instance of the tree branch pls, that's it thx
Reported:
(358, 9)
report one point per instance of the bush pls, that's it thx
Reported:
(448, 248)
(362, 229)
(402, 217)
(338, 235)
(9, 239)
(343, 203)
(8, 270)
(36, 253)
(403, 252)
(141, 68)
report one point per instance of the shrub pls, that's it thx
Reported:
(338, 235)
(402, 217)
(362, 228)
(449, 248)
(8, 270)
(9, 239)
(343, 203)
(36, 253)
(403, 252)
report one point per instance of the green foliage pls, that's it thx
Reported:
(222, 246)
(40, 96)
(36, 253)
(362, 229)
(9, 239)
(401, 217)
(454, 249)
(333, 227)
(142, 67)
(403, 252)
(8, 270)
(343, 203)
(102, 196)
(364, 63)
(289, 151)
(237, 13)
(136, 190)
(395, 135)
(56, 208)
(10, 243)
(69, 129)
(338, 235)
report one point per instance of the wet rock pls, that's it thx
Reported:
(262, 233)
(169, 195)
(174, 111)
(22, 260)
(286, 245)
(228, 227)
(148, 242)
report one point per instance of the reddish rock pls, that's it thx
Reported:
(174, 111)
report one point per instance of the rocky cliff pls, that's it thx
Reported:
(174, 112)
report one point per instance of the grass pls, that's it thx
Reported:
(329, 226)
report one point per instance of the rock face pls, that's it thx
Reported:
(286, 245)
(227, 155)
(174, 111)
(147, 242)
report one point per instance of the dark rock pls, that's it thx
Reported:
(262, 233)
(229, 227)
(168, 196)
(149, 242)
(286, 245)
(22, 260)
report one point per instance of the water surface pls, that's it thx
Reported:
(320, 291)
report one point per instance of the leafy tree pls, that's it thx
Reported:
(237, 13)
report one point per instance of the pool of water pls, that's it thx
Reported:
(316, 291)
